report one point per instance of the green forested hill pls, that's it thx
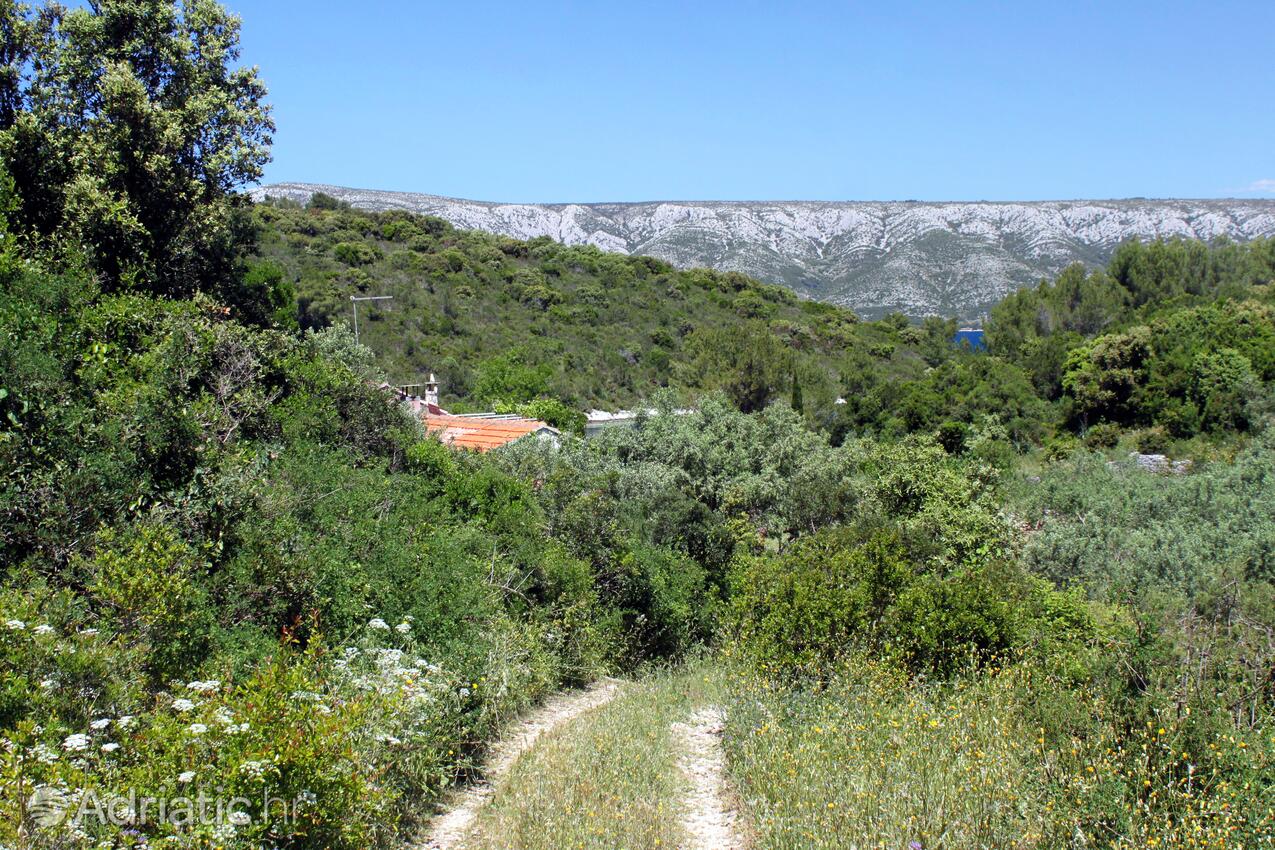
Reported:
(497, 318)
(504, 322)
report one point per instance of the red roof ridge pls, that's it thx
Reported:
(482, 433)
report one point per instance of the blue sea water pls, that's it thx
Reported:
(971, 336)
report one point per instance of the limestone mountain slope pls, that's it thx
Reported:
(917, 258)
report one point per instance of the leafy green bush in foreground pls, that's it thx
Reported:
(188, 500)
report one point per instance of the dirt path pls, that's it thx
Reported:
(710, 822)
(449, 830)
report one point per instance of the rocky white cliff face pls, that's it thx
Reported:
(917, 258)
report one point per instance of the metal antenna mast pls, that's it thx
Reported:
(354, 303)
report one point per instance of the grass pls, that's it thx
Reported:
(1006, 757)
(1001, 759)
(607, 780)
(870, 762)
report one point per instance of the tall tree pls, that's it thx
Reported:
(128, 127)
(746, 362)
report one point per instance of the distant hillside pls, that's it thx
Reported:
(916, 258)
(501, 318)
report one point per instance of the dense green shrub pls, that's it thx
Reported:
(839, 592)
(150, 583)
(815, 601)
(1104, 435)
(551, 410)
(1192, 370)
(944, 624)
(127, 148)
(324, 201)
(947, 509)
(1117, 528)
(922, 576)
(507, 378)
(356, 253)
(952, 437)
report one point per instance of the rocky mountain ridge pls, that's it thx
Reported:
(919, 258)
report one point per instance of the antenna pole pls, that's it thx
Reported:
(354, 304)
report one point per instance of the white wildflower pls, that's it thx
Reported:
(48, 684)
(76, 743)
(125, 721)
(209, 687)
(43, 629)
(197, 729)
(182, 705)
(88, 632)
(255, 769)
(100, 724)
(186, 777)
(403, 628)
(376, 623)
(240, 818)
(351, 652)
(15, 625)
(110, 747)
(44, 754)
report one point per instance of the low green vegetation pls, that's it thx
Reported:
(872, 760)
(1105, 527)
(1109, 686)
(1014, 756)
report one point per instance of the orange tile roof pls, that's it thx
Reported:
(479, 434)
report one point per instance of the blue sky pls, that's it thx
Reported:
(608, 101)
